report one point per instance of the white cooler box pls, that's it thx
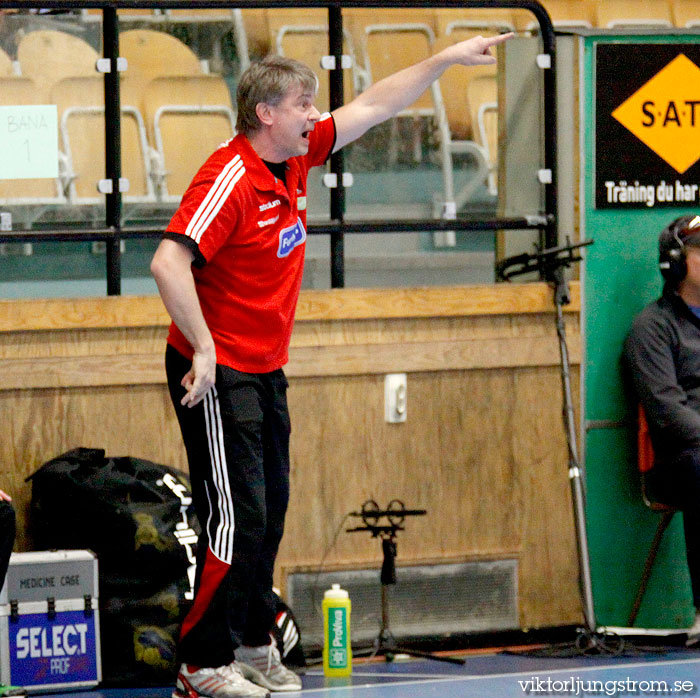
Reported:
(49, 621)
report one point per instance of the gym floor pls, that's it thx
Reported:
(494, 675)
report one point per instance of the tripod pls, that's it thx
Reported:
(385, 644)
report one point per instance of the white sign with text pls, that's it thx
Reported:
(29, 142)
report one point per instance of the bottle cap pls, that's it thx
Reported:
(335, 592)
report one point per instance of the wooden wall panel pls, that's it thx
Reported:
(482, 449)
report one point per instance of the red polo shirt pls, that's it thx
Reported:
(248, 232)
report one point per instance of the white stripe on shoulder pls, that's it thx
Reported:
(325, 115)
(215, 198)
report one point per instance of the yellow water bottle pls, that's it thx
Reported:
(337, 653)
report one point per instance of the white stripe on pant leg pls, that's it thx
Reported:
(227, 547)
(215, 476)
(221, 541)
(220, 546)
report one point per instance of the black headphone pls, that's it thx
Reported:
(672, 252)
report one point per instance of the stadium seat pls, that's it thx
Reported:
(463, 128)
(645, 462)
(47, 56)
(565, 14)
(80, 103)
(308, 43)
(391, 47)
(188, 117)
(617, 14)
(454, 80)
(6, 66)
(355, 20)
(686, 13)
(200, 15)
(388, 48)
(153, 54)
(257, 30)
(219, 22)
(482, 97)
(125, 15)
(479, 21)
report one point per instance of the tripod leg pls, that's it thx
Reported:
(429, 655)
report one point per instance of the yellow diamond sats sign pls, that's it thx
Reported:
(647, 121)
(665, 113)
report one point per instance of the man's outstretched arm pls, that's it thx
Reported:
(389, 96)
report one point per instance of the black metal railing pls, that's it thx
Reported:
(113, 233)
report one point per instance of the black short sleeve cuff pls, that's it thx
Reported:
(199, 259)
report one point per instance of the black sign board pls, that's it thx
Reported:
(647, 139)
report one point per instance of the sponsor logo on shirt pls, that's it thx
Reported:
(269, 204)
(268, 221)
(291, 237)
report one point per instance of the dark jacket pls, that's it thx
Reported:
(662, 357)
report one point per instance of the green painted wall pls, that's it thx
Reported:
(620, 276)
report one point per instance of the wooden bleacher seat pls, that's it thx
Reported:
(220, 21)
(188, 117)
(645, 462)
(479, 21)
(153, 54)
(47, 56)
(482, 98)
(453, 82)
(6, 66)
(283, 16)
(80, 103)
(15, 91)
(464, 131)
(356, 20)
(257, 30)
(618, 14)
(126, 15)
(388, 48)
(565, 14)
(686, 13)
(308, 43)
(196, 14)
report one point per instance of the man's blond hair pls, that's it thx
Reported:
(268, 81)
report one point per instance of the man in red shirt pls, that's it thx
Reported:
(229, 271)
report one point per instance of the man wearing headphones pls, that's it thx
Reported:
(662, 355)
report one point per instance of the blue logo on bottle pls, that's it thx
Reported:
(291, 237)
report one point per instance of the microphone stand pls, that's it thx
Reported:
(395, 512)
(550, 263)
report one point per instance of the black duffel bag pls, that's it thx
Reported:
(138, 518)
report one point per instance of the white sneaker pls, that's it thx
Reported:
(263, 666)
(215, 682)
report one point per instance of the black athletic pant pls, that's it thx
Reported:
(7, 537)
(237, 442)
(677, 482)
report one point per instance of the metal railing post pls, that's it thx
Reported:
(113, 162)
